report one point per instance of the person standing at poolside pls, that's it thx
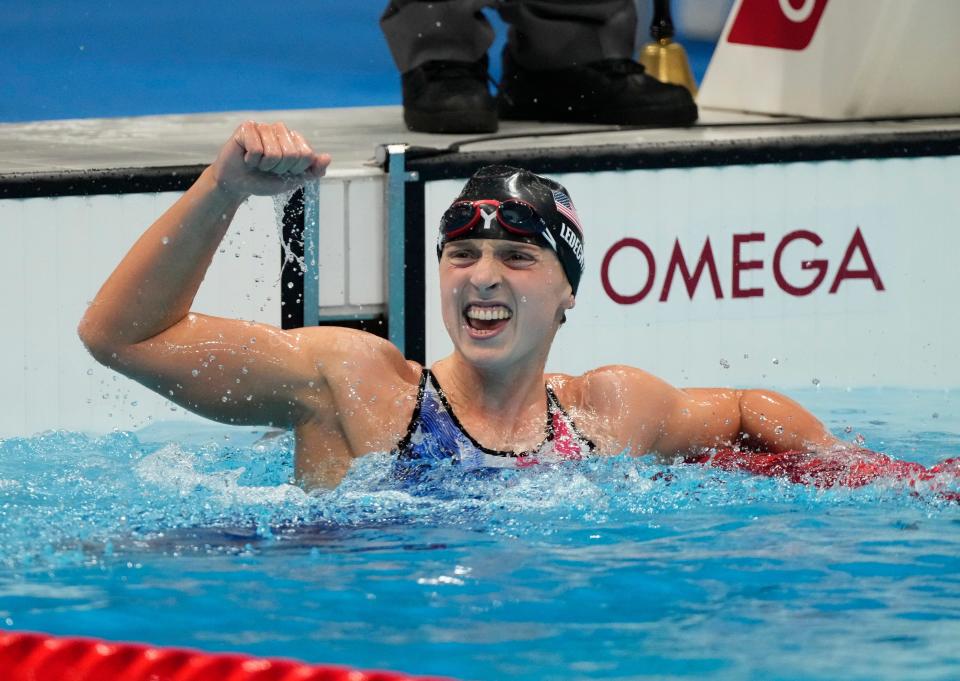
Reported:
(510, 259)
(565, 60)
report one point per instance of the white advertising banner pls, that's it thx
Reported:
(840, 273)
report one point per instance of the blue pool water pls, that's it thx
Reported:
(193, 537)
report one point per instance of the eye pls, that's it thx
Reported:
(519, 257)
(459, 254)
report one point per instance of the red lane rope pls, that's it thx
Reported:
(39, 657)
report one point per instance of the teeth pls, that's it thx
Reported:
(488, 313)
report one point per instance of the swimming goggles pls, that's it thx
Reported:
(514, 215)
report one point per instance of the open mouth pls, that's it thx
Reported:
(486, 320)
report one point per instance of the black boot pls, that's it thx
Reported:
(612, 91)
(449, 96)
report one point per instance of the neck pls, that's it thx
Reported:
(506, 394)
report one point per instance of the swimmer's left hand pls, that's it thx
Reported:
(265, 159)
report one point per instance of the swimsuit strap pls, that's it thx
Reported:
(415, 417)
(556, 408)
(548, 429)
(435, 433)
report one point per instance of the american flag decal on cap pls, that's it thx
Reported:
(566, 208)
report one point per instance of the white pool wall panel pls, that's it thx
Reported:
(907, 211)
(57, 252)
(366, 253)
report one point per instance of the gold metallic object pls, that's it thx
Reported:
(663, 58)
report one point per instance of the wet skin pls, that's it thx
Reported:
(346, 393)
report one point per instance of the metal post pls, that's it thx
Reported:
(394, 156)
(311, 244)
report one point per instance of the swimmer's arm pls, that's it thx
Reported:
(154, 285)
(247, 373)
(140, 323)
(761, 420)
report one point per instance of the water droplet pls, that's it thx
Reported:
(725, 364)
(195, 372)
(778, 430)
(89, 372)
(936, 415)
(860, 440)
(816, 381)
(165, 240)
(776, 361)
(848, 429)
(223, 399)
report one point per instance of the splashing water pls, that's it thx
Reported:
(63, 491)
(310, 189)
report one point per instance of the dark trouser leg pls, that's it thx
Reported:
(554, 34)
(440, 48)
(572, 60)
(418, 31)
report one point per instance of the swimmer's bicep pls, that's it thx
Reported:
(229, 370)
(775, 422)
(644, 413)
(696, 418)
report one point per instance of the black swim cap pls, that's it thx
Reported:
(564, 235)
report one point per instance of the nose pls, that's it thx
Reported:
(486, 274)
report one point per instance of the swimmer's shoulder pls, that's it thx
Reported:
(366, 391)
(340, 350)
(608, 385)
(619, 406)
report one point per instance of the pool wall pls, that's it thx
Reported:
(776, 200)
(828, 273)
(64, 233)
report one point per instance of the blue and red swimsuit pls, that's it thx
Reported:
(435, 434)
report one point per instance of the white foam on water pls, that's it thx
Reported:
(173, 469)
